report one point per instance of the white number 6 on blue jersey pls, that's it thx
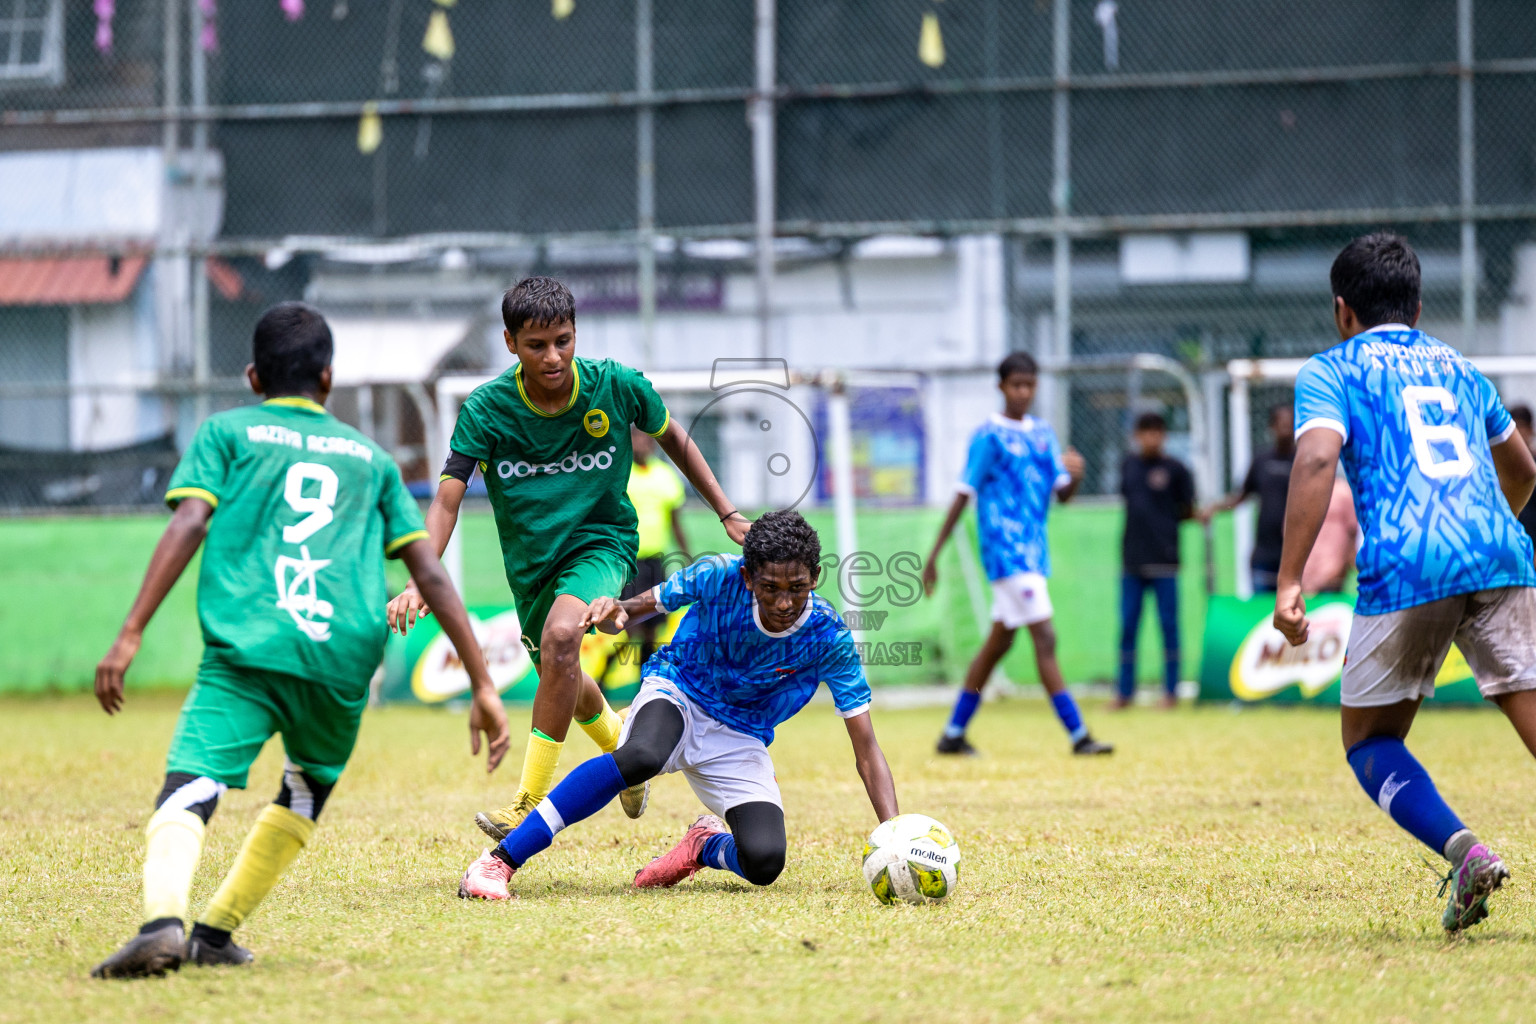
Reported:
(1415, 397)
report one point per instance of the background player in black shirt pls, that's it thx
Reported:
(1270, 479)
(1159, 494)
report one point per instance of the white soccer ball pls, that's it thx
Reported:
(911, 858)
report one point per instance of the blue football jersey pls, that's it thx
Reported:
(1417, 421)
(736, 671)
(1012, 469)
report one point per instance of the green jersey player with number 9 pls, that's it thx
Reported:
(295, 512)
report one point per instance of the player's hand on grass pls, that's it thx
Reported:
(930, 575)
(606, 614)
(1291, 614)
(486, 715)
(1076, 465)
(405, 609)
(109, 674)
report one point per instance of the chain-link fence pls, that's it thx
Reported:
(1168, 178)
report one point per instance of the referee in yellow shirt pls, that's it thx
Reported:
(656, 491)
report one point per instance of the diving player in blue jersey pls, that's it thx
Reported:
(748, 655)
(1438, 474)
(1014, 466)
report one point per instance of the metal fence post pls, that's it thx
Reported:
(645, 181)
(1467, 170)
(196, 212)
(1061, 194)
(764, 157)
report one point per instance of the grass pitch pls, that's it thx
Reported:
(1220, 867)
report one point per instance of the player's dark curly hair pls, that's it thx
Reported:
(1017, 362)
(540, 301)
(292, 345)
(782, 536)
(1377, 276)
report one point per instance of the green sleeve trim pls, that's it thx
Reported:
(175, 495)
(666, 421)
(541, 734)
(402, 541)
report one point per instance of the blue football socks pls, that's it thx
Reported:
(1066, 710)
(585, 791)
(720, 852)
(965, 707)
(1400, 785)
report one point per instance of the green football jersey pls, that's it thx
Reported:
(305, 509)
(557, 481)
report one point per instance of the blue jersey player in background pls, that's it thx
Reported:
(748, 655)
(1014, 466)
(1439, 475)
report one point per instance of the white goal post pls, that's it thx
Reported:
(1243, 374)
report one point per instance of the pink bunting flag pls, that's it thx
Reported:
(105, 10)
(209, 39)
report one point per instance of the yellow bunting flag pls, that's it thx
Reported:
(439, 38)
(370, 130)
(562, 9)
(930, 42)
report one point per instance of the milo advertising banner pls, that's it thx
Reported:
(1246, 658)
(423, 667)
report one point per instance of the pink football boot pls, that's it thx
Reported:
(682, 861)
(486, 878)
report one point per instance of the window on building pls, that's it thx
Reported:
(31, 42)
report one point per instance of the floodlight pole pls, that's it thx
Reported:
(763, 165)
(645, 182)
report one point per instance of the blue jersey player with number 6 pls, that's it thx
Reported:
(1439, 475)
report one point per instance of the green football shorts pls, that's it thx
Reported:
(589, 575)
(233, 710)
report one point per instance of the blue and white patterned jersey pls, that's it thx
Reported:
(1012, 469)
(736, 671)
(1417, 421)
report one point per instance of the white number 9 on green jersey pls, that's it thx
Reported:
(1415, 397)
(318, 507)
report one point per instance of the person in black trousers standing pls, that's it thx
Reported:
(1159, 494)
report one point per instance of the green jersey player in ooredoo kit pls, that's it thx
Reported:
(295, 512)
(551, 438)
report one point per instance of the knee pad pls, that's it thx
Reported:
(760, 867)
(301, 793)
(184, 791)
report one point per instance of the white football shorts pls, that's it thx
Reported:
(726, 768)
(1021, 600)
(1395, 656)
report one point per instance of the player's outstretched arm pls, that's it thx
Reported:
(872, 767)
(931, 567)
(685, 455)
(486, 714)
(179, 542)
(1516, 469)
(1306, 505)
(442, 517)
(611, 615)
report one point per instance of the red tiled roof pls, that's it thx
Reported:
(68, 280)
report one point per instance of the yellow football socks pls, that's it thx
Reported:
(275, 839)
(604, 728)
(174, 842)
(539, 763)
